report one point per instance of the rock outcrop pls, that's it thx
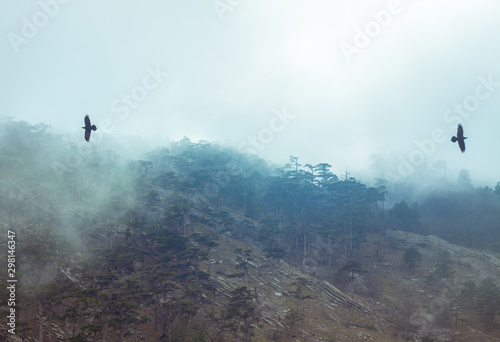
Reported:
(482, 264)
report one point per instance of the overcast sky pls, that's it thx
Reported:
(363, 85)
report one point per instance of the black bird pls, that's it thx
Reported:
(460, 138)
(88, 127)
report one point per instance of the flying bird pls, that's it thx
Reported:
(460, 138)
(88, 127)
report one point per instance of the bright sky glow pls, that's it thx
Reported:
(220, 70)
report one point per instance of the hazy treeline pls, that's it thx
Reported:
(112, 246)
(457, 212)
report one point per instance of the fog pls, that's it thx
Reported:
(375, 88)
(309, 140)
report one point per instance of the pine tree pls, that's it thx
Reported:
(443, 265)
(243, 258)
(240, 313)
(411, 257)
(488, 301)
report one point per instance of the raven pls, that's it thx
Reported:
(460, 138)
(88, 127)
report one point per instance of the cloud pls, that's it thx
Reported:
(227, 77)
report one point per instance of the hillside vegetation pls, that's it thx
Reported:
(198, 242)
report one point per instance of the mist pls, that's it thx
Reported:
(259, 170)
(223, 72)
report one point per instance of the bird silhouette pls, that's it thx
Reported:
(88, 127)
(460, 138)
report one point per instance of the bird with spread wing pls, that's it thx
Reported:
(88, 128)
(460, 138)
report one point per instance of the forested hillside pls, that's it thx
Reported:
(114, 248)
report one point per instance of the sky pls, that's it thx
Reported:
(374, 87)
